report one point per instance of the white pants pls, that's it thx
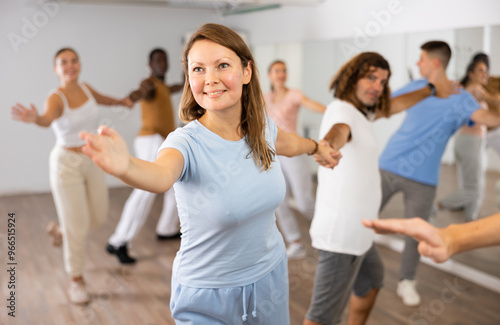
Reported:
(139, 204)
(81, 199)
(299, 185)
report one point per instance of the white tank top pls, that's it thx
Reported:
(74, 120)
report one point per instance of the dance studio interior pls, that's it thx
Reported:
(111, 42)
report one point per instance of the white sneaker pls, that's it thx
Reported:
(77, 292)
(296, 251)
(408, 292)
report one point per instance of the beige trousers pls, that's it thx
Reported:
(81, 199)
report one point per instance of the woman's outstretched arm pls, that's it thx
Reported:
(109, 151)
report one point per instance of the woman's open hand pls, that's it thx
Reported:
(108, 150)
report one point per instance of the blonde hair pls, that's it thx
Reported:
(253, 113)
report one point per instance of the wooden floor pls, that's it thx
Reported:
(140, 294)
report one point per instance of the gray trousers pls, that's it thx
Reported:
(470, 154)
(337, 275)
(418, 200)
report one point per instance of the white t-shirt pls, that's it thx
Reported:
(352, 190)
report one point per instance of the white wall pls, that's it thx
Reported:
(335, 19)
(113, 43)
(332, 32)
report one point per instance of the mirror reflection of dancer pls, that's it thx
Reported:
(411, 160)
(470, 147)
(349, 267)
(283, 105)
(78, 186)
(157, 123)
(227, 185)
(490, 93)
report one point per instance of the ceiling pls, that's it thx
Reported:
(225, 7)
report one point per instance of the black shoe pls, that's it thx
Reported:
(174, 236)
(122, 253)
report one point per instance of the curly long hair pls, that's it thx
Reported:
(253, 114)
(344, 82)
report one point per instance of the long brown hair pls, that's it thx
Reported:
(344, 83)
(470, 69)
(253, 113)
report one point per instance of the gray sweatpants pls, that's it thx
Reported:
(470, 153)
(418, 200)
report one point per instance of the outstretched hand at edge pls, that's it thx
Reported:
(434, 242)
(108, 150)
(24, 114)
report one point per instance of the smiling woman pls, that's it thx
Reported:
(230, 245)
(79, 188)
(216, 77)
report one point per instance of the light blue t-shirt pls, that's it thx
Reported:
(226, 208)
(416, 149)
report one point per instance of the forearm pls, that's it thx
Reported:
(403, 102)
(136, 95)
(495, 121)
(302, 146)
(148, 176)
(108, 101)
(472, 235)
(338, 136)
(487, 117)
(493, 101)
(146, 91)
(291, 145)
(313, 105)
(142, 93)
(176, 88)
(43, 121)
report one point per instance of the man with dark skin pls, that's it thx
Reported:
(157, 123)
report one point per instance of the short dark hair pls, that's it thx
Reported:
(156, 50)
(439, 48)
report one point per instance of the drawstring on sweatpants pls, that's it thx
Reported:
(245, 315)
(254, 312)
